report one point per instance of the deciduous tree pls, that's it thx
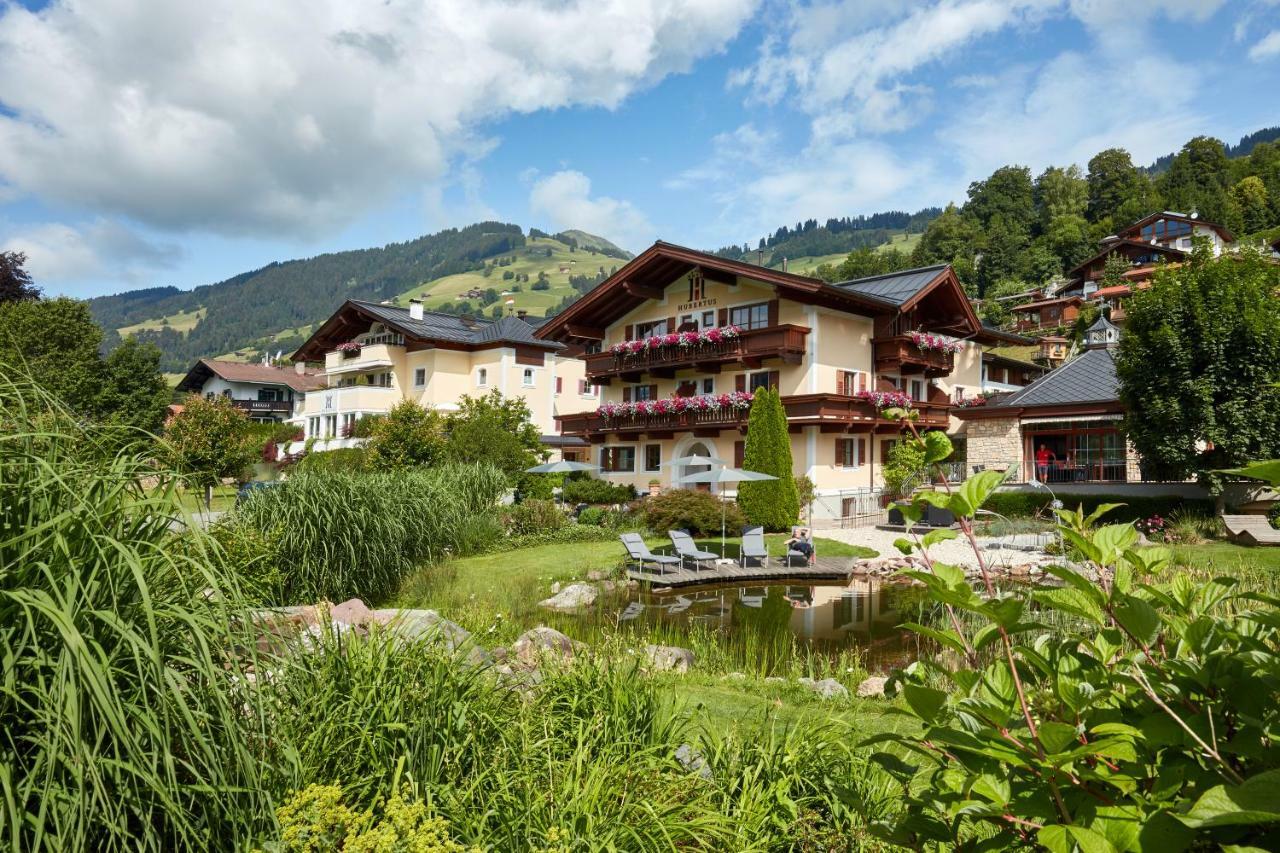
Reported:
(408, 435)
(494, 429)
(208, 441)
(15, 282)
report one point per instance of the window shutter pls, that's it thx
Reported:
(626, 395)
(740, 382)
(885, 447)
(739, 453)
(775, 380)
(628, 332)
(773, 312)
(840, 375)
(671, 325)
(724, 317)
(653, 392)
(559, 384)
(839, 452)
(862, 381)
(861, 451)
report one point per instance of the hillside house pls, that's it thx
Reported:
(264, 392)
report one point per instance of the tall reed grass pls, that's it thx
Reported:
(357, 535)
(119, 725)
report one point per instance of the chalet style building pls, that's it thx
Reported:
(1064, 428)
(264, 392)
(376, 356)
(678, 340)
(1159, 238)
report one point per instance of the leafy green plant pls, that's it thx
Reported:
(902, 468)
(692, 510)
(316, 820)
(535, 516)
(207, 441)
(338, 460)
(590, 490)
(591, 515)
(408, 435)
(1146, 719)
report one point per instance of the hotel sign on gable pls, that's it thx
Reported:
(700, 303)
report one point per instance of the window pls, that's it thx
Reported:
(482, 377)
(586, 389)
(918, 390)
(764, 379)
(313, 428)
(330, 426)
(850, 382)
(709, 385)
(269, 395)
(849, 452)
(750, 316)
(618, 459)
(208, 395)
(653, 457)
(527, 379)
(348, 421)
(559, 384)
(708, 319)
(648, 330)
(419, 377)
(642, 392)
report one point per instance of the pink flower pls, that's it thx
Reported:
(635, 346)
(688, 339)
(714, 336)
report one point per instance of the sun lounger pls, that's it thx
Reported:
(687, 550)
(639, 552)
(753, 546)
(1251, 529)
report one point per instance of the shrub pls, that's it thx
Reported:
(591, 515)
(406, 436)
(344, 535)
(1133, 507)
(535, 516)
(594, 491)
(689, 509)
(1273, 515)
(771, 503)
(120, 728)
(342, 460)
(316, 819)
(903, 467)
(364, 426)
(255, 554)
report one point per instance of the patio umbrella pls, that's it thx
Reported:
(696, 459)
(562, 467)
(726, 475)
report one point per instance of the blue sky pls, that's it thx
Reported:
(144, 142)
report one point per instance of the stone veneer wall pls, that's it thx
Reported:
(1132, 464)
(993, 443)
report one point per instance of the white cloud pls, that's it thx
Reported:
(298, 115)
(565, 198)
(58, 253)
(1267, 47)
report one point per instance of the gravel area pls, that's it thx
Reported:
(954, 551)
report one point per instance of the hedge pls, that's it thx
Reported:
(1136, 507)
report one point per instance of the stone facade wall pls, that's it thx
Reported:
(1132, 464)
(993, 443)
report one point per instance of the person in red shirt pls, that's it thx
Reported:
(1044, 457)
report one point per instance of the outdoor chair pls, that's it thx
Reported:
(639, 552)
(797, 558)
(687, 550)
(753, 546)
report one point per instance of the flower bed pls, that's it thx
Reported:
(885, 399)
(677, 341)
(736, 401)
(925, 341)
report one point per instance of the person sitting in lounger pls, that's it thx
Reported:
(799, 542)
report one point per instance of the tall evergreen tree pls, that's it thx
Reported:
(773, 504)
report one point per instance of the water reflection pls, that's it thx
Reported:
(863, 613)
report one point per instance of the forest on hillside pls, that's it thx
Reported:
(1015, 231)
(846, 234)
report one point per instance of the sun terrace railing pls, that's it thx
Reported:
(782, 341)
(901, 354)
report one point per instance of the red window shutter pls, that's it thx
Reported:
(653, 392)
(740, 382)
(862, 381)
(739, 453)
(775, 379)
(559, 384)
(724, 317)
(840, 374)
(671, 325)
(628, 332)
(626, 395)
(773, 312)
(862, 451)
(840, 452)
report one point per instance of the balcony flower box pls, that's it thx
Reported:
(349, 349)
(885, 399)
(925, 342)
(673, 342)
(735, 402)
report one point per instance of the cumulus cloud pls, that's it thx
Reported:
(58, 253)
(298, 115)
(1267, 47)
(565, 199)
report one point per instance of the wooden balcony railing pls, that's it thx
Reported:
(275, 407)
(751, 347)
(899, 354)
(802, 409)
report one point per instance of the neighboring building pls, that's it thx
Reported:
(264, 392)
(1073, 412)
(1046, 313)
(376, 356)
(1053, 350)
(1004, 373)
(827, 348)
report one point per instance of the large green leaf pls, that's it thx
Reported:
(937, 447)
(1268, 471)
(1139, 618)
(1056, 736)
(974, 493)
(1065, 839)
(925, 701)
(1256, 801)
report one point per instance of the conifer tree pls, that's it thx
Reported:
(772, 504)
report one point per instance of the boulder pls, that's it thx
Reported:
(428, 625)
(351, 612)
(829, 688)
(597, 575)
(573, 597)
(692, 760)
(543, 643)
(871, 687)
(668, 658)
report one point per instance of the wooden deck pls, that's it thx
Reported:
(824, 568)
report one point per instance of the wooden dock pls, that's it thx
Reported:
(824, 568)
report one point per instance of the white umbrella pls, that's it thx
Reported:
(561, 467)
(726, 475)
(696, 459)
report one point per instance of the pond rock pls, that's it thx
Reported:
(422, 624)
(828, 688)
(872, 687)
(572, 597)
(353, 611)
(668, 658)
(542, 643)
(690, 759)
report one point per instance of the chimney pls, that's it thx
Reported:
(415, 309)
(468, 320)
(784, 263)
(300, 367)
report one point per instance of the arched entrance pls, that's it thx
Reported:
(695, 448)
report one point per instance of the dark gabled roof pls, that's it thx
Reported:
(435, 327)
(1089, 378)
(1041, 303)
(1135, 227)
(894, 288)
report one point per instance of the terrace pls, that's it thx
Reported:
(903, 354)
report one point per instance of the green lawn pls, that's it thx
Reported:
(183, 321)
(224, 498)
(1229, 558)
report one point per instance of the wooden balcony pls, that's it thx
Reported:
(751, 348)
(899, 354)
(832, 412)
(264, 407)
